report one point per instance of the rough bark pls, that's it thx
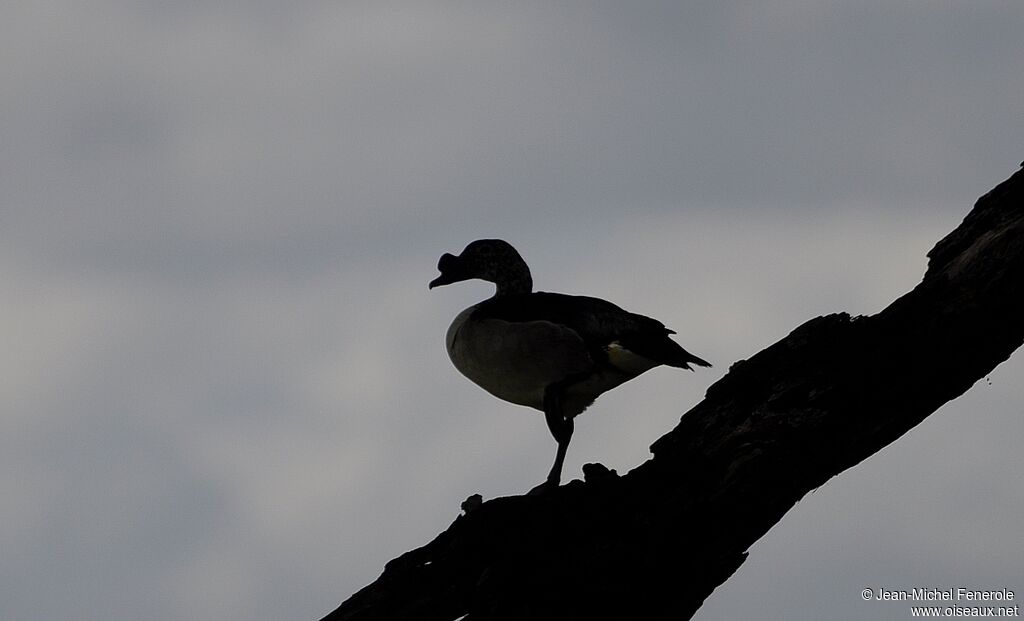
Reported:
(654, 543)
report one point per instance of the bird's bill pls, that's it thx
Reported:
(443, 279)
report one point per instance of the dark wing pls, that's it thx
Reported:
(598, 322)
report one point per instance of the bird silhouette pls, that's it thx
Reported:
(549, 351)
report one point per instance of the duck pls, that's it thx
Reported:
(552, 352)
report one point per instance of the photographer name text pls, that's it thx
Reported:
(958, 594)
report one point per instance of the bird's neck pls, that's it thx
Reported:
(514, 281)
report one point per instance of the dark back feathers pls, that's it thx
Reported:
(597, 321)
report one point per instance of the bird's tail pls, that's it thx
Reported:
(689, 359)
(664, 350)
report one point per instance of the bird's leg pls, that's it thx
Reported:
(561, 428)
(563, 444)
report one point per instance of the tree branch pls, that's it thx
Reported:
(656, 542)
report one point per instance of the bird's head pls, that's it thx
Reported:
(493, 260)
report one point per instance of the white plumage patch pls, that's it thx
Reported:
(628, 361)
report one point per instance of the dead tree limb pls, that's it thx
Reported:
(654, 543)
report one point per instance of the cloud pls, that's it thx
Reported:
(227, 393)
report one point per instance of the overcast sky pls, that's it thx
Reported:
(223, 382)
